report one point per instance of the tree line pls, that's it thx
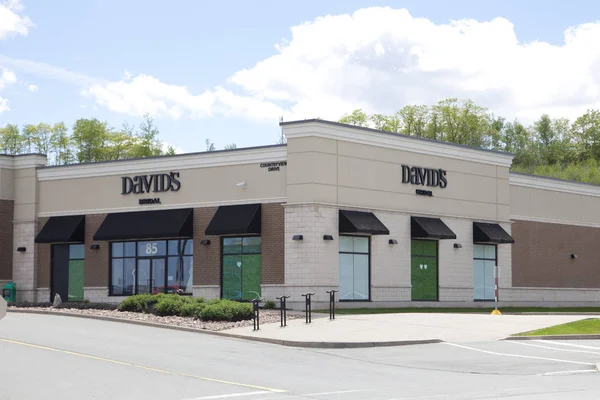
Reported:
(89, 140)
(554, 147)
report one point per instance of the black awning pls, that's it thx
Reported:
(361, 222)
(240, 219)
(67, 229)
(430, 228)
(147, 225)
(490, 233)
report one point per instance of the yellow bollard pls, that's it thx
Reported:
(496, 312)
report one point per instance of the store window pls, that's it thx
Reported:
(484, 265)
(242, 271)
(354, 268)
(424, 270)
(151, 266)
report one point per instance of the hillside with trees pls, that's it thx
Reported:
(89, 140)
(553, 147)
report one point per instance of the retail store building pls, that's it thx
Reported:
(388, 220)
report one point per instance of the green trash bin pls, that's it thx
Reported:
(9, 292)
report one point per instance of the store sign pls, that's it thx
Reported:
(155, 200)
(422, 192)
(424, 176)
(156, 183)
(273, 166)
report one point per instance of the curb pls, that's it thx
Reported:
(288, 343)
(555, 337)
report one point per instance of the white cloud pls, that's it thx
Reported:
(166, 145)
(377, 59)
(32, 88)
(380, 59)
(6, 78)
(12, 23)
(146, 94)
(49, 71)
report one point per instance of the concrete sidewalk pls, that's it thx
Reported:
(396, 329)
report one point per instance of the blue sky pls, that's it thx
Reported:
(211, 69)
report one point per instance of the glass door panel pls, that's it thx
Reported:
(489, 267)
(232, 277)
(251, 276)
(76, 272)
(143, 276)
(158, 276)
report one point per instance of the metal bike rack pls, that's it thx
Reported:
(332, 293)
(256, 309)
(283, 309)
(308, 307)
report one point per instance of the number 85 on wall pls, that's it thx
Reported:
(151, 248)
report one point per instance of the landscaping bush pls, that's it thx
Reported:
(186, 306)
(141, 303)
(192, 310)
(227, 310)
(169, 306)
(89, 306)
(269, 305)
(27, 304)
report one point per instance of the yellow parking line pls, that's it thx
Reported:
(72, 353)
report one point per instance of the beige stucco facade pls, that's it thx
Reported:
(324, 168)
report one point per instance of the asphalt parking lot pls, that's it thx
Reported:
(58, 357)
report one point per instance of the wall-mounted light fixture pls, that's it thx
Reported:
(327, 237)
(205, 242)
(21, 249)
(393, 241)
(574, 256)
(95, 246)
(297, 237)
(457, 246)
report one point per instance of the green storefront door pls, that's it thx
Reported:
(424, 270)
(68, 272)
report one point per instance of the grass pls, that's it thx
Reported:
(483, 310)
(583, 327)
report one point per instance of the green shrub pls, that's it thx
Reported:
(270, 305)
(170, 306)
(192, 310)
(142, 303)
(226, 310)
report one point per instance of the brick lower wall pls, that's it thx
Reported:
(273, 244)
(97, 263)
(6, 239)
(207, 259)
(541, 255)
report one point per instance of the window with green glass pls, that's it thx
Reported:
(241, 277)
(76, 272)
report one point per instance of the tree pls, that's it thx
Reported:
(11, 139)
(43, 139)
(28, 133)
(210, 146)
(89, 140)
(357, 117)
(62, 144)
(146, 142)
(230, 146)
